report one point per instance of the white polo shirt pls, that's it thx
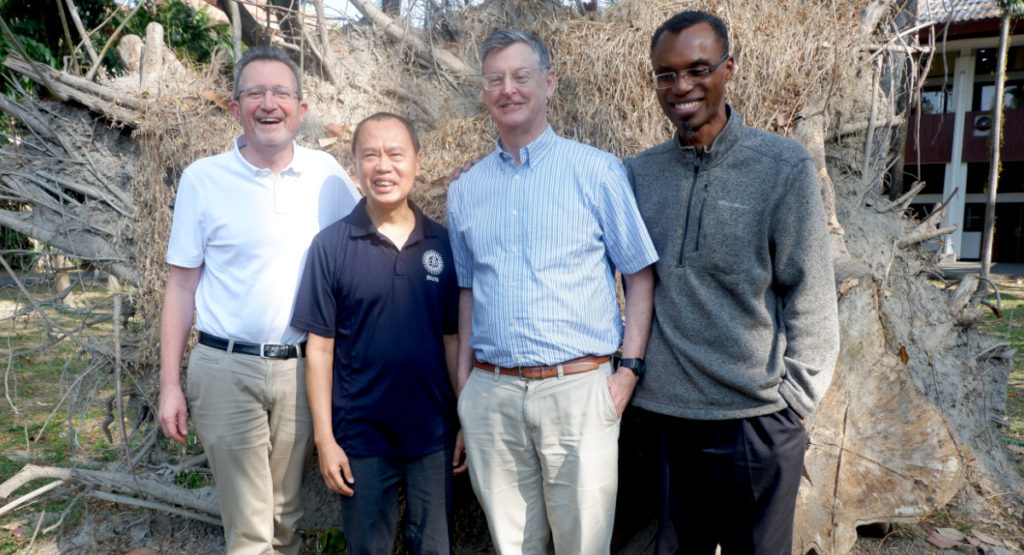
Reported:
(250, 231)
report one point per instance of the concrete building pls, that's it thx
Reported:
(950, 149)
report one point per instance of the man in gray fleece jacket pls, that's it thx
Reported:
(745, 333)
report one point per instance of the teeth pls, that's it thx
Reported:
(686, 105)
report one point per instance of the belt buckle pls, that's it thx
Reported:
(520, 370)
(263, 350)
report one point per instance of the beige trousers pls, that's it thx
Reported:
(543, 459)
(252, 416)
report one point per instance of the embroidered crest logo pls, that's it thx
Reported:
(433, 262)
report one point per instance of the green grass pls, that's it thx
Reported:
(36, 381)
(1010, 328)
(35, 413)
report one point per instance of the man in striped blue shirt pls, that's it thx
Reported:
(537, 229)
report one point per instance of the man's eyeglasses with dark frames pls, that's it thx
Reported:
(692, 76)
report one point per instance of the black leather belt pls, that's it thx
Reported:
(265, 350)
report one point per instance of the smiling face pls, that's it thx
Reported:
(697, 110)
(386, 162)
(269, 124)
(519, 111)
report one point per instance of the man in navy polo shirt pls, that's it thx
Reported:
(380, 301)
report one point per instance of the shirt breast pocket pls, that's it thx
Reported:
(728, 234)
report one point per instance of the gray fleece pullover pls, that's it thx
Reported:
(745, 319)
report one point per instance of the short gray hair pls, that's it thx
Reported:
(265, 54)
(499, 40)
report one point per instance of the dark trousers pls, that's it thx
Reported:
(731, 483)
(371, 515)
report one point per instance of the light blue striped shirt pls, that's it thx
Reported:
(538, 244)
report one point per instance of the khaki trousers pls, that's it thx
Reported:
(252, 416)
(543, 459)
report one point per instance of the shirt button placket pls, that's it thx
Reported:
(399, 266)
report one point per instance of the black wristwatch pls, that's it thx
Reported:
(635, 364)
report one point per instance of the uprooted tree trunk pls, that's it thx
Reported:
(916, 380)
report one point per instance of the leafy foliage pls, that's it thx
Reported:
(192, 34)
(38, 27)
(332, 542)
(1014, 7)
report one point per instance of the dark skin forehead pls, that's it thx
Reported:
(697, 45)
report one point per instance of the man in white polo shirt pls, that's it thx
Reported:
(243, 222)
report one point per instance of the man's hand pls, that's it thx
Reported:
(621, 385)
(173, 412)
(335, 469)
(465, 168)
(459, 463)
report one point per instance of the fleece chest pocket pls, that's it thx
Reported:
(727, 232)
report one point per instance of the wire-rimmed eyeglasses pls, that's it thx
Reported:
(692, 76)
(519, 77)
(256, 93)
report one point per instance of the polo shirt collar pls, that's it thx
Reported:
(293, 168)
(532, 152)
(361, 225)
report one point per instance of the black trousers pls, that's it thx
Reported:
(370, 517)
(730, 482)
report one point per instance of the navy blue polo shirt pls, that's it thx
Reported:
(387, 310)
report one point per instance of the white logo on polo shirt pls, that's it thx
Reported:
(433, 263)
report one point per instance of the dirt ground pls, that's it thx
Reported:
(108, 528)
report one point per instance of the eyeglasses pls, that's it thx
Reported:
(256, 93)
(692, 76)
(520, 77)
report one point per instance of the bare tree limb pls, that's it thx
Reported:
(110, 41)
(81, 31)
(29, 496)
(924, 235)
(236, 29)
(322, 59)
(869, 138)
(124, 500)
(423, 51)
(252, 32)
(72, 336)
(857, 127)
(67, 36)
(152, 64)
(116, 346)
(25, 116)
(119, 106)
(321, 26)
(66, 511)
(903, 202)
(202, 499)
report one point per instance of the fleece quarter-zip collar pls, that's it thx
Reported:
(720, 147)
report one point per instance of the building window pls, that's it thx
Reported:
(977, 177)
(1013, 96)
(1011, 178)
(933, 176)
(987, 60)
(936, 99)
(974, 217)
